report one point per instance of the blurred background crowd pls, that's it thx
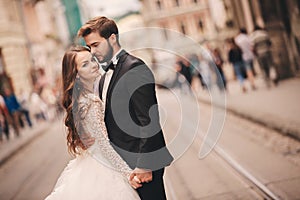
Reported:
(243, 40)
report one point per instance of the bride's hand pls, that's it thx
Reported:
(135, 183)
(142, 175)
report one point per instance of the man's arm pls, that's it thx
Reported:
(144, 106)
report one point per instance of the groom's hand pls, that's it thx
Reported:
(142, 175)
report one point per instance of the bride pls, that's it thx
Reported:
(97, 172)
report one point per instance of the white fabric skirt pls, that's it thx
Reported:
(85, 178)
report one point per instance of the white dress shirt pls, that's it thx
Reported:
(245, 43)
(108, 76)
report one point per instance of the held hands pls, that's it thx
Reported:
(139, 176)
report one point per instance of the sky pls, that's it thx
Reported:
(112, 8)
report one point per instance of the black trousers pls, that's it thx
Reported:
(155, 189)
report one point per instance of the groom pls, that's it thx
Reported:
(131, 113)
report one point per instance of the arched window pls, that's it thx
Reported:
(200, 24)
(182, 27)
(158, 4)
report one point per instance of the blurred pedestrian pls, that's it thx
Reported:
(184, 76)
(245, 43)
(196, 72)
(193, 58)
(42, 80)
(2, 121)
(262, 49)
(235, 57)
(13, 107)
(5, 119)
(48, 97)
(24, 107)
(205, 72)
(186, 70)
(38, 107)
(218, 60)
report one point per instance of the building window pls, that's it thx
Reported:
(200, 25)
(158, 4)
(177, 3)
(182, 27)
(12, 14)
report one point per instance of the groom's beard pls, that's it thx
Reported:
(109, 54)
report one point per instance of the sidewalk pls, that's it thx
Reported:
(10, 147)
(277, 107)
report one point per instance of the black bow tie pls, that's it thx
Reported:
(110, 65)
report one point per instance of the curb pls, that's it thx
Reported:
(291, 131)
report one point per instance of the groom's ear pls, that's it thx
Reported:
(113, 38)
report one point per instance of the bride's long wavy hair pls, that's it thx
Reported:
(71, 92)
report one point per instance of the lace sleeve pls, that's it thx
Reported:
(93, 124)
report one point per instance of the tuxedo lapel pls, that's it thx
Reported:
(116, 73)
(101, 84)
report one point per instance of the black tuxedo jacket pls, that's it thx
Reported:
(131, 115)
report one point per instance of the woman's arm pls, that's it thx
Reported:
(102, 150)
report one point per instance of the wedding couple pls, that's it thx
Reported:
(116, 135)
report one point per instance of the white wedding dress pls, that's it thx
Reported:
(98, 173)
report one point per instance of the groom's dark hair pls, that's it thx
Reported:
(104, 26)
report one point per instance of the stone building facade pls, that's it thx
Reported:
(188, 17)
(48, 36)
(33, 36)
(15, 62)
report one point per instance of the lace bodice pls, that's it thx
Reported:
(92, 122)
